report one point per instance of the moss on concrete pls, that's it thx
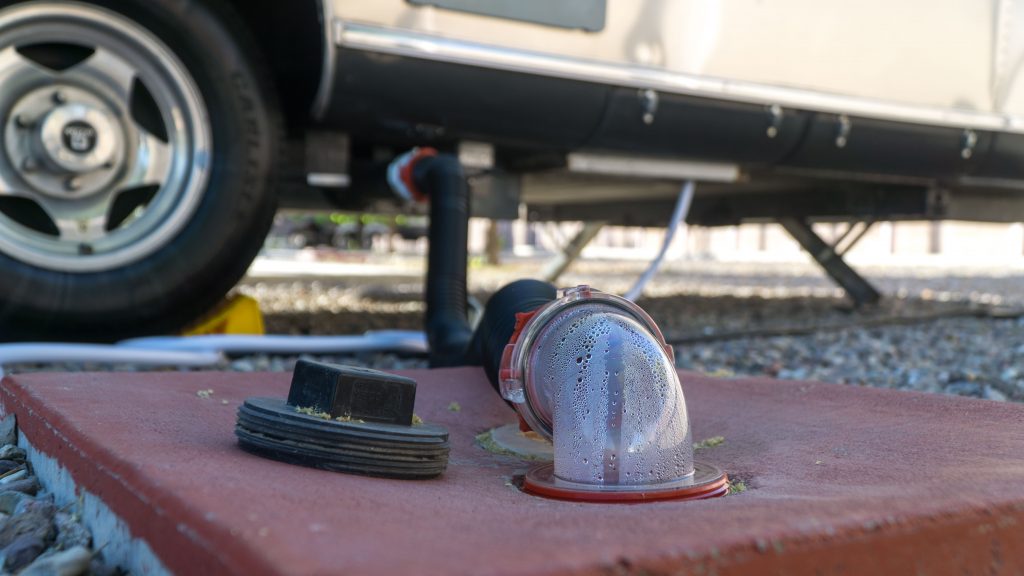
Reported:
(486, 441)
(736, 487)
(309, 411)
(709, 443)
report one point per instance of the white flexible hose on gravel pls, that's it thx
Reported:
(48, 352)
(200, 351)
(678, 216)
(374, 341)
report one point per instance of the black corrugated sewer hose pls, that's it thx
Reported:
(441, 179)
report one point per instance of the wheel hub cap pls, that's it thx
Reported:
(115, 181)
(65, 143)
(78, 138)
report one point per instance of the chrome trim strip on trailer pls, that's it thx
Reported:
(643, 167)
(330, 62)
(412, 44)
(328, 180)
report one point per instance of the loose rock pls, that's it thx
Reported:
(10, 501)
(992, 393)
(22, 552)
(70, 532)
(27, 486)
(12, 452)
(8, 430)
(12, 477)
(964, 389)
(67, 563)
(36, 519)
(8, 465)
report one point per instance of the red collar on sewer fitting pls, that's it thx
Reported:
(406, 172)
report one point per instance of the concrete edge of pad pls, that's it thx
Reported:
(974, 541)
(110, 533)
(81, 466)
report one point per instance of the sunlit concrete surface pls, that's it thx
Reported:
(839, 480)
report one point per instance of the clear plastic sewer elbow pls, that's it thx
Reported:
(592, 372)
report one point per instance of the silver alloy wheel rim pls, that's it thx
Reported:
(97, 149)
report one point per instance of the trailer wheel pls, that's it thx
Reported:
(136, 179)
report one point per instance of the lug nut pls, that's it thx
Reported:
(59, 97)
(73, 183)
(22, 121)
(30, 165)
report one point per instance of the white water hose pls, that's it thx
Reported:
(200, 351)
(374, 341)
(49, 353)
(678, 216)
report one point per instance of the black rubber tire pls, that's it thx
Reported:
(186, 277)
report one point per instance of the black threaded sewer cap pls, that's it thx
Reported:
(353, 392)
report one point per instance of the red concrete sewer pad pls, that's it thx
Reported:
(839, 479)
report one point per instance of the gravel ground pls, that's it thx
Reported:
(802, 326)
(37, 538)
(693, 301)
(983, 358)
